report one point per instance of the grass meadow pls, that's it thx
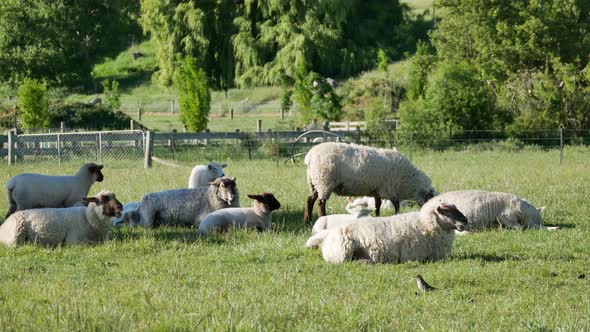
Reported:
(169, 279)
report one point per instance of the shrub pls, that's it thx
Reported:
(194, 96)
(34, 105)
(316, 99)
(84, 116)
(111, 94)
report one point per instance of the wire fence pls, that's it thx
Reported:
(281, 146)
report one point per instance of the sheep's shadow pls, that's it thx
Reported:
(286, 220)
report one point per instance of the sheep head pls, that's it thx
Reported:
(422, 196)
(111, 207)
(93, 170)
(268, 200)
(216, 170)
(449, 217)
(227, 190)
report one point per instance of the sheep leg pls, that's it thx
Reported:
(322, 207)
(377, 205)
(309, 206)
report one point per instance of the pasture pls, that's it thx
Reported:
(169, 279)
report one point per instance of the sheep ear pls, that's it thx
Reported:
(541, 209)
(233, 179)
(90, 200)
(256, 197)
(427, 196)
(100, 167)
(223, 165)
(349, 199)
(209, 167)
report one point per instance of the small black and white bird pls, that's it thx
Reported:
(423, 285)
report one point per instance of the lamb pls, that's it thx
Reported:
(30, 191)
(336, 220)
(186, 207)
(487, 210)
(367, 202)
(355, 170)
(59, 226)
(201, 175)
(259, 216)
(424, 235)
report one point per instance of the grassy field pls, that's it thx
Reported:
(168, 279)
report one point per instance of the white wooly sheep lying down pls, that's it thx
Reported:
(356, 170)
(259, 216)
(335, 220)
(201, 175)
(424, 235)
(187, 207)
(367, 202)
(30, 191)
(487, 210)
(55, 226)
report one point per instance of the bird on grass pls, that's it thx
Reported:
(423, 285)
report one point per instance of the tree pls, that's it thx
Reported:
(58, 41)
(194, 96)
(112, 94)
(420, 67)
(316, 99)
(34, 105)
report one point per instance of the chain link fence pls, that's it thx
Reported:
(101, 147)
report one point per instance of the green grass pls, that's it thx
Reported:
(168, 279)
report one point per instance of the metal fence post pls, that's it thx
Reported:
(100, 148)
(11, 148)
(560, 145)
(278, 148)
(58, 150)
(149, 143)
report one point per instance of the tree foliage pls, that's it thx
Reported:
(34, 104)
(58, 41)
(194, 96)
(112, 94)
(316, 99)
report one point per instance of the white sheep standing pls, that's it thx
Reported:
(201, 175)
(334, 220)
(356, 170)
(487, 210)
(31, 191)
(187, 207)
(424, 235)
(259, 216)
(55, 226)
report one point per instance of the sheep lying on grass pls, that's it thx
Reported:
(187, 207)
(424, 235)
(31, 191)
(367, 202)
(259, 216)
(487, 210)
(58, 226)
(201, 175)
(336, 220)
(355, 170)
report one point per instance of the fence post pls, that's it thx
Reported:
(278, 148)
(389, 138)
(282, 114)
(560, 145)
(132, 124)
(61, 127)
(172, 105)
(58, 150)
(11, 148)
(100, 148)
(231, 114)
(149, 144)
(258, 125)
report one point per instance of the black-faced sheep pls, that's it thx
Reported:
(259, 216)
(31, 191)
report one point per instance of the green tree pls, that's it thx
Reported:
(194, 96)
(58, 41)
(420, 67)
(112, 94)
(316, 99)
(34, 105)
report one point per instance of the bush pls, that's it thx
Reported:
(84, 116)
(194, 96)
(112, 94)
(34, 105)
(316, 99)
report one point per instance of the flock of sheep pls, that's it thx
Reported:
(54, 210)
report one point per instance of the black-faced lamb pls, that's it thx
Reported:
(487, 210)
(356, 170)
(59, 226)
(31, 191)
(259, 216)
(187, 207)
(201, 175)
(421, 236)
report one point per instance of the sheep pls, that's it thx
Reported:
(424, 235)
(367, 202)
(59, 226)
(201, 175)
(335, 220)
(186, 207)
(355, 170)
(259, 216)
(487, 210)
(30, 191)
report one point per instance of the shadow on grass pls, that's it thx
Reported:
(289, 221)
